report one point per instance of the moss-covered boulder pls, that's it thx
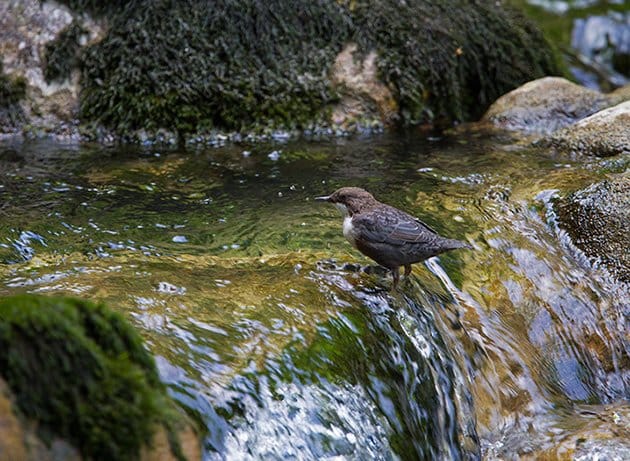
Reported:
(81, 372)
(239, 65)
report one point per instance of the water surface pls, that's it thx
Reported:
(283, 340)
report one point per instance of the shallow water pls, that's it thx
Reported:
(284, 341)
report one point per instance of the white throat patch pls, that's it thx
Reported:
(348, 231)
(344, 209)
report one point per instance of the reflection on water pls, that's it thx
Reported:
(269, 326)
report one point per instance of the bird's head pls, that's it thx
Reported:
(350, 200)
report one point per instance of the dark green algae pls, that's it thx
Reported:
(193, 66)
(62, 54)
(80, 370)
(12, 91)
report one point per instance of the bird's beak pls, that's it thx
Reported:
(324, 198)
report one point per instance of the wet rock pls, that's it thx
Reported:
(547, 104)
(160, 448)
(282, 66)
(596, 219)
(603, 134)
(18, 441)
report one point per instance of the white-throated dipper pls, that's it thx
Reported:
(386, 234)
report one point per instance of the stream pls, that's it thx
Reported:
(286, 343)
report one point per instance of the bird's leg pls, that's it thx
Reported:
(396, 276)
(407, 270)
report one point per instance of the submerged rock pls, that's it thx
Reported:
(585, 432)
(80, 373)
(603, 134)
(596, 219)
(548, 104)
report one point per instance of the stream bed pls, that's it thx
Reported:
(288, 344)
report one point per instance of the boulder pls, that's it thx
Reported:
(29, 30)
(545, 105)
(596, 219)
(603, 134)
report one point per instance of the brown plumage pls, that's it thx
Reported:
(386, 234)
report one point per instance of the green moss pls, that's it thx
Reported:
(62, 54)
(194, 65)
(448, 61)
(187, 66)
(81, 372)
(12, 89)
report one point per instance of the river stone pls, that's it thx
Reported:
(603, 134)
(621, 94)
(596, 219)
(545, 105)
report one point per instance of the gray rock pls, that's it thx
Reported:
(596, 219)
(603, 134)
(26, 27)
(547, 104)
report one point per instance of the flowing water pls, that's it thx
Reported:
(286, 343)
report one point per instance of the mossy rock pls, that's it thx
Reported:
(245, 65)
(80, 370)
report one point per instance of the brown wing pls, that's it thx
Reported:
(388, 224)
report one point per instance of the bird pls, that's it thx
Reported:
(389, 236)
